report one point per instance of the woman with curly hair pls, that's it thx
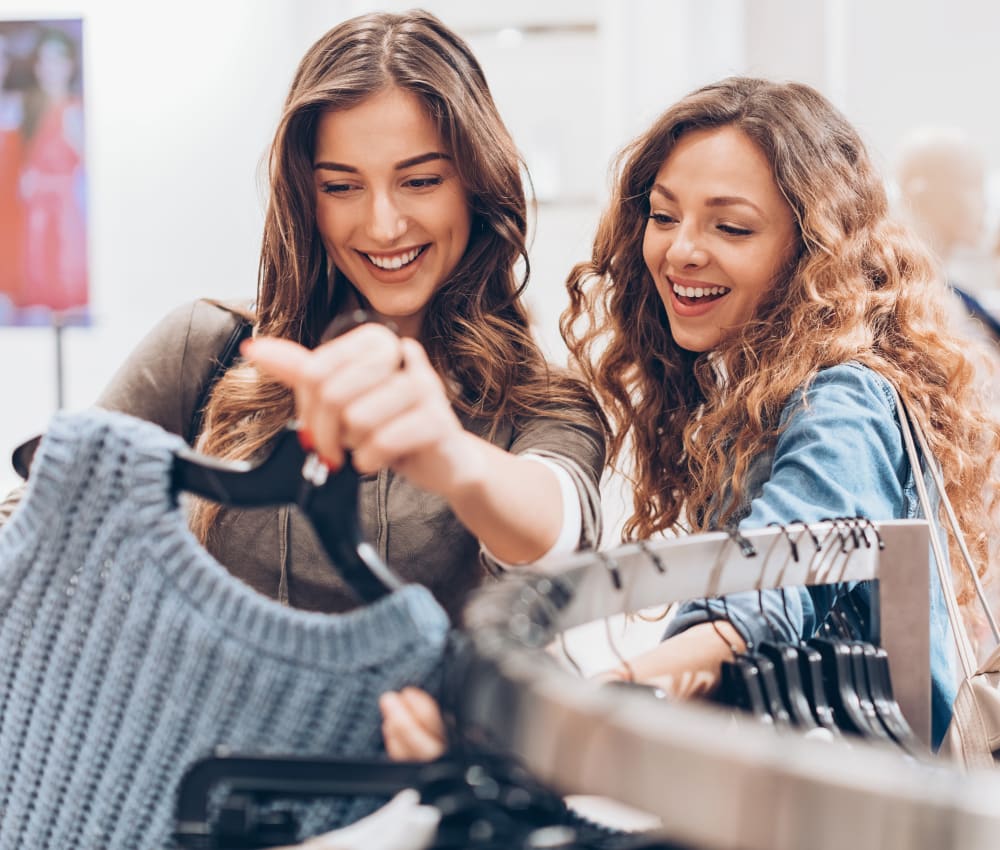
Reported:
(394, 187)
(747, 304)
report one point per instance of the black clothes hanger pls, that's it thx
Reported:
(749, 681)
(871, 672)
(838, 678)
(862, 686)
(291, 475)
(883, 720)
(770, 685)
(810, 662)
(877, 670)
(485, 801)
(785, 657)
(843, 673)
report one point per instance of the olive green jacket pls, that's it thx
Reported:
(274, 549)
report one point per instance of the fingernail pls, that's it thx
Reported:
(306, 439)
(331, 465)
(245, 346)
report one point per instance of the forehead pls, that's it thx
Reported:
(719, 161)
(390, 126)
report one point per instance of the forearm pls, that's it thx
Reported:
(513, 505)
(688, 664)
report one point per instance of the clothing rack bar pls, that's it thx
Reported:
(713, 564)
(715, 780)
(718, 782)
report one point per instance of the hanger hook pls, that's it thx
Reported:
(655, 559)
(805, 525)
(545, 590)
(746, 547)
(857, 523)
(856, 535)
(629, 672)
(712, 616)
(788, 537)
(874, 528)
(611, 565)
(838, 526)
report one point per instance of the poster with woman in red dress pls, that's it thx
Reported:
(43, 246)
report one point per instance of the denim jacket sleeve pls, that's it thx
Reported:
(839, 453)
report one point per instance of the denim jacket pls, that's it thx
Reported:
(840, 454)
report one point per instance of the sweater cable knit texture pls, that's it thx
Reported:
(129, 652)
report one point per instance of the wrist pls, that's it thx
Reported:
(464, 466)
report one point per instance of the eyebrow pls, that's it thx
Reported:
(718, 201)
(399, 166)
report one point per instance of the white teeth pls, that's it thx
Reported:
(394, 262)
(698, 291)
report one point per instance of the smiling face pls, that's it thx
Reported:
(390, 207)
(719, 233)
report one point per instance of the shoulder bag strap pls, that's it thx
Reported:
(225, 358)
(965, 653)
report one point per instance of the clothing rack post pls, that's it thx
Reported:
(904, 611)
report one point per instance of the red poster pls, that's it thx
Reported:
(43, 223)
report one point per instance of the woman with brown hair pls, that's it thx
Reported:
(394, 187)
(747, 304)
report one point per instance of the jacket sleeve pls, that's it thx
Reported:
(163, 378)
(840, 454)
(579, 449)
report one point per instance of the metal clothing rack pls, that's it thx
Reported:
(717, 782)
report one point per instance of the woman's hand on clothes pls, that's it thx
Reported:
(412, 725)
(686, 665)
(377, 395)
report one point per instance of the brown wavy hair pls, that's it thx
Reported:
(475, 329)
(858, 287)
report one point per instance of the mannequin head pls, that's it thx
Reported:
(942, 184)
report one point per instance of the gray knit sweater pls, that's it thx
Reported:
(127, 652)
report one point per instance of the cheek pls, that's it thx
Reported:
(456, 218)
(652, 253)
(331, 231)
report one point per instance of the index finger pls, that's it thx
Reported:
(281, 359)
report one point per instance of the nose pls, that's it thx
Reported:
(686, 251)
(386, 221)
